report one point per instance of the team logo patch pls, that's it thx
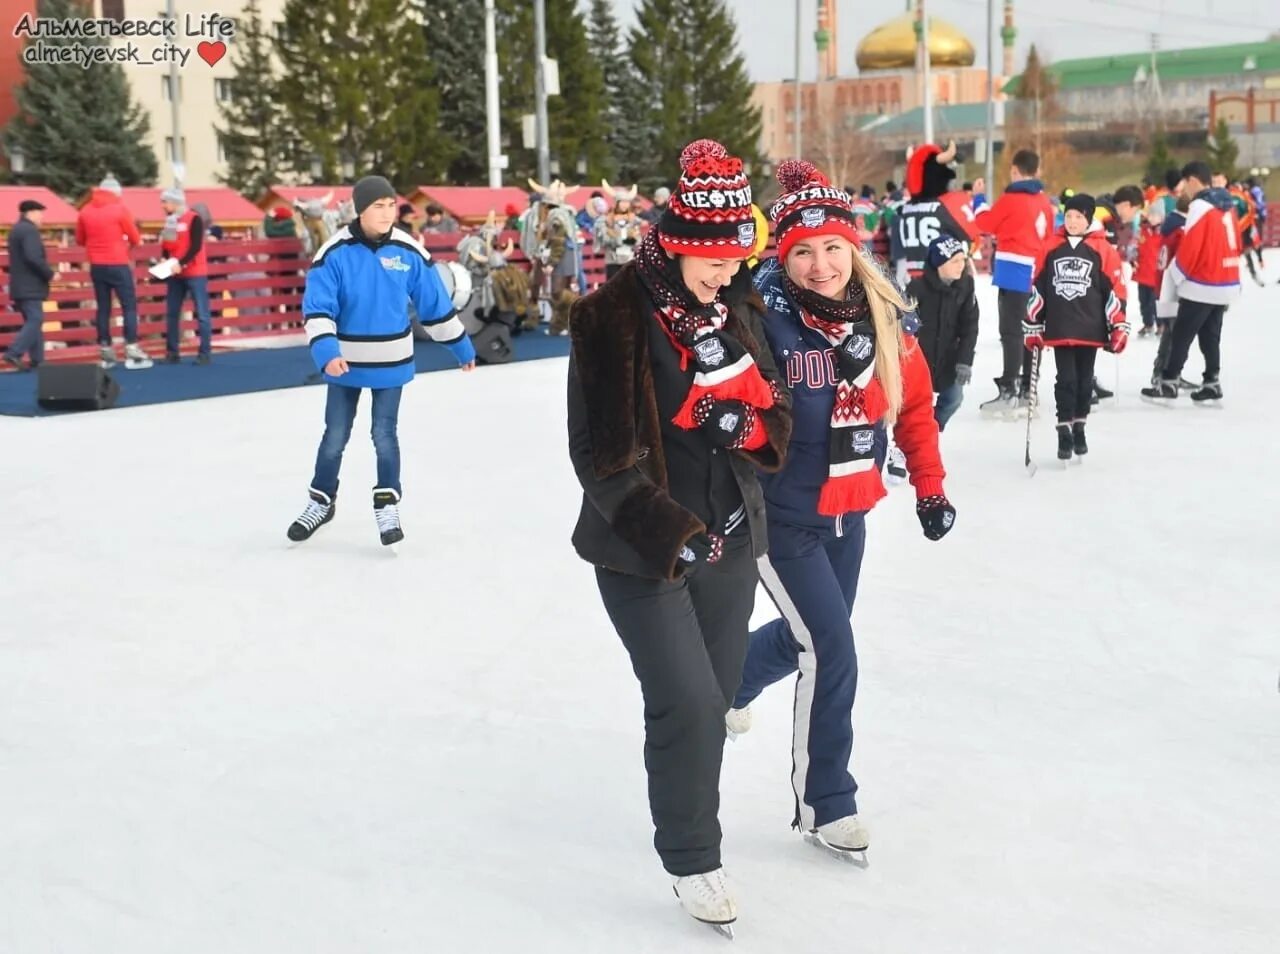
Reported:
(747, 234)
(813, 218)
(860, 347)
(729, 421)
(1072, 278)
(863, 440)
(710, 352)
(392, 263)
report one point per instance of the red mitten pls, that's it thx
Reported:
(1119, 337)
(1032, 335)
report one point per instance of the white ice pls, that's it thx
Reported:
(1067, 731)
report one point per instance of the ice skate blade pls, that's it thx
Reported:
(1031, 468)
(1169, 403)
(855, 857)
(1212, 405)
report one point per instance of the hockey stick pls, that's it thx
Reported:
(1033, 400)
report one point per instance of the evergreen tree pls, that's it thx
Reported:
(692, 80)
(576, 117)
(1160, 160)
(1223, 152)
(359, 86)
(75, 125)
(254, 138)
(455, 44)
(1035, 119)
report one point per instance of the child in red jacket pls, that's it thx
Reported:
(1077, 307)
(1147, 274)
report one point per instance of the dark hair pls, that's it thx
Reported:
(1171, 179)
(868, 192)
(434, 209)
(967, 187)
(1183, 204)
(1129, 193)
(1026, 161)
(405, 209)
(1198, 170)
(890, 186)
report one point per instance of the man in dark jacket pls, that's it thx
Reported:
(29, 277)
(948, 311)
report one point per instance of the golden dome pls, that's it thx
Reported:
(892, 45)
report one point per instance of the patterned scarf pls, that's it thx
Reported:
(853, 479)
(725, 369)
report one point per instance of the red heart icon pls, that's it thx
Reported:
(211, 52)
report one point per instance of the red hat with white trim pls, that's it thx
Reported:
(709, 213)
(809, 206)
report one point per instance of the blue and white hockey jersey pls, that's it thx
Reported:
(356, 307)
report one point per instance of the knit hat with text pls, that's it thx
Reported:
(709, 214)
(809, 206)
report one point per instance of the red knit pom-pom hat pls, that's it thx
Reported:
(809, 206)
(709, 214)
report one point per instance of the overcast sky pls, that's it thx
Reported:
(1061, 30)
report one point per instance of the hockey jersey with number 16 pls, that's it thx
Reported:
(356, 306)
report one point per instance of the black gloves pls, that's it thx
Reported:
(857, 352)
(724, 423)
(936, 515)
(701, 548)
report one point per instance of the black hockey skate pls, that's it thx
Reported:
(1207, 395)
(1100, 393)
(1065, 442)
(1079, 444)
(320, 510)
(1164, 393)
(386, 511)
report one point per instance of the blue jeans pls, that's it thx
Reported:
(949, 401)
(119, 279)
(339, 415)
(813, 581)
(179, 287)
(30, 340)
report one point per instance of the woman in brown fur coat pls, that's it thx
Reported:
(674, 401)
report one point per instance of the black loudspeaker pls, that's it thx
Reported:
(75, 387)
(493, 344)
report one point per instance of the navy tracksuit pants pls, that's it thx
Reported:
(812, 578)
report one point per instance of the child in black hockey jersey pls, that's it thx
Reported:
(1077, 306)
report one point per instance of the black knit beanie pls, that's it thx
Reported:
(1083, 204)
(369, 190)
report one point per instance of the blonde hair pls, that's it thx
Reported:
(887, 304)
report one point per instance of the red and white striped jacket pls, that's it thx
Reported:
(1207, 266)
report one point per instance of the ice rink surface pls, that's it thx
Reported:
(1067, 730)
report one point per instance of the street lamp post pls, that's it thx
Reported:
(317, 168)
(17, 163)
(348, 168)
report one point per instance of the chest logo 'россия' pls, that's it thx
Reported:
(392, 263)
(710, 351)
(1072, 278)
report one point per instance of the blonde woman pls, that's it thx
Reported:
(834, 323)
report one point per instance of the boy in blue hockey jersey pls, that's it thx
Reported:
(357, 321)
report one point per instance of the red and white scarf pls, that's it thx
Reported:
(725, 369)
(853, 480)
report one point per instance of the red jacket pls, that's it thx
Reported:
(1149, 245)
(189, 247)
(1206, 267)
(106, 229)
(1022, 223)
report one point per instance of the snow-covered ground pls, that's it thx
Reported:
(1068, 730)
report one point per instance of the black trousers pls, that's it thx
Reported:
(1147, 305)
(687, 641)
(1196, 320)
(1074, 386)
(1012, 306)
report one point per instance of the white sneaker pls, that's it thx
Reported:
(706, 897)
(737, 721)
(135, 359)
(844, 834)
(107, 356)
